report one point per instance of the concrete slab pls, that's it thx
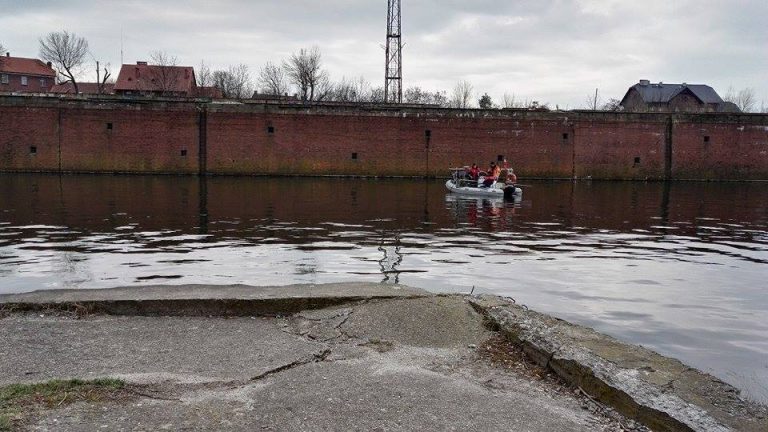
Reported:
(146, 349)
(205, 300)
(377, 365)
(377, 393)
(655, 390)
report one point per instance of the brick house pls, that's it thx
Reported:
(18, 74)
(143, 79)
(646, 96)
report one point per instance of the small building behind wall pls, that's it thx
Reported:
(143, 79)
(25, 75)
(659, 97)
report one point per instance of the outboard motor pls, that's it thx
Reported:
(509, 193)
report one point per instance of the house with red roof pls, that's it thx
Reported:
(143, 79)
(19, 74)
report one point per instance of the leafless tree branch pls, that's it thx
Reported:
(304, 70)
(66, 52)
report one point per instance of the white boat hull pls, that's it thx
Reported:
(492, 192)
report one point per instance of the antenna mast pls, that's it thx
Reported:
(393, 82)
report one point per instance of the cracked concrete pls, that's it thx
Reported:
(387, 364)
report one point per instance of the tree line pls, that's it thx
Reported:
(302, 75)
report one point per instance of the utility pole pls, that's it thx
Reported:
(393, 82)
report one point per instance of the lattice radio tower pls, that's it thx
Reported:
(393, 82)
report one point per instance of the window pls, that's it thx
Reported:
(565, 136)
(270, 129)
(637, 161)
(4, 78)
(32, 150)
(109, 126)
(184, 152)
(23, 80)
(500, 158)
(42, 82)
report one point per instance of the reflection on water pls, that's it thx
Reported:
(680, 267)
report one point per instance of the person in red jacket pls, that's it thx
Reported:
(474, 172)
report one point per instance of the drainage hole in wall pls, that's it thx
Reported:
(270, 129)
(706, 138)
(565, 136)
(32, 150)
(637, 161)
(184, 152)
(109, 126)
(354, 155)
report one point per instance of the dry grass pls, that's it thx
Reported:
(19, 401)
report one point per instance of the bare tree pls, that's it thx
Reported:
(305, 71)
(2, 53)
(101, 82)
(510, 101)
(593, 101)
(272, 80)
(204, 78)
(613, 104)
(377, 95)
(415, 95)
(745, 98)
(66, 52)
(462, 94)
(234, 83)
(166, 73)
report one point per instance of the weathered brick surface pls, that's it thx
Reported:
(733, 150)
(150, 136)
(619, 149)
(138, 141)
(29, 139)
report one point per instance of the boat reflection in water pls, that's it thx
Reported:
(678, 267)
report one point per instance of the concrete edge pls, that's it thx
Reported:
(562, 348)
(192, 307)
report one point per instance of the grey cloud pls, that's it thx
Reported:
(556, 51)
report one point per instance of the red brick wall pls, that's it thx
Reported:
(732, 150)
(240, 142)
(616, 149)
(139, 140)
(149, 137)
(29, 138)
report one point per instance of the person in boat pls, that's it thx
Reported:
(474, 172)
(511, 177)
(493, 174)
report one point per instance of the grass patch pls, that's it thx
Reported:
(18, 401)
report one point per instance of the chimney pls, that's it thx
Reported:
(644, 82)
(7, 53)
(141, 63)
(49, 64)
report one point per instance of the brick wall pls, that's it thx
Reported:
(112, 134)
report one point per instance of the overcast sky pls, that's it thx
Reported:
(555, 51)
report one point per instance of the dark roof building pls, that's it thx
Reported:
(18, 74)
(647, 96)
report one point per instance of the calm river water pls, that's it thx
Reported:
(680, 268)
